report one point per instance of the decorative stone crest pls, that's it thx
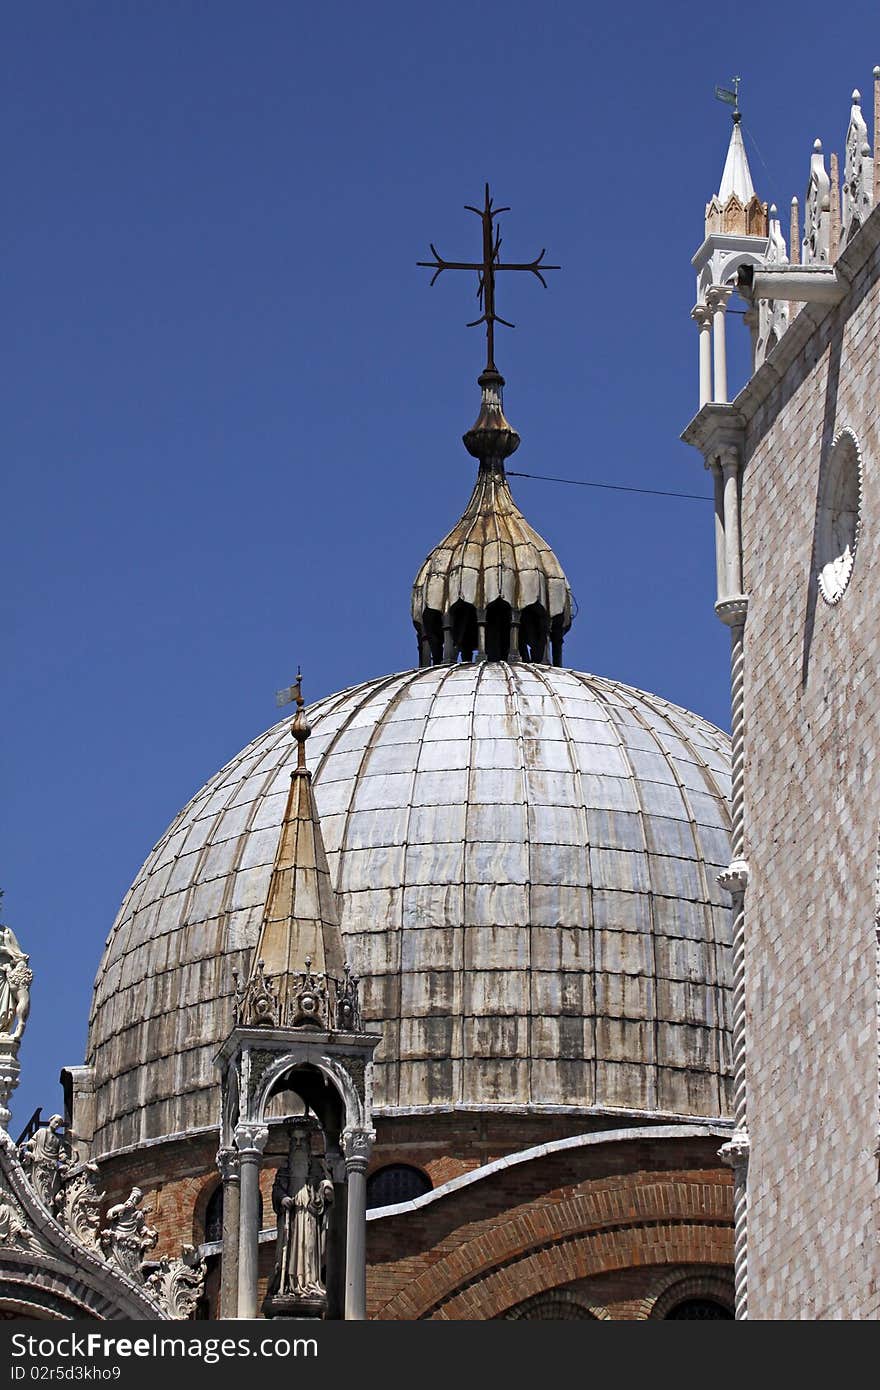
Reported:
(179, 1284)
(127, 1237)
(256, 1002)
(79, 1207)
(817, 212)
(858, 185)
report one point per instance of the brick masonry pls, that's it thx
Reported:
(812, 811)
(632, 1214)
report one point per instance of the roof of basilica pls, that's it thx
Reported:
(525, 859)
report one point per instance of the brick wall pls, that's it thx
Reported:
(812, 807)
(475, 1254)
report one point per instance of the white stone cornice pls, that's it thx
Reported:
(715, 428)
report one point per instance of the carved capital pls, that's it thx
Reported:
(733, 611)
(250, 1140)
(735, 1153)
(228, 1164)
(728, 458)
(702, 317)
(357, 1145)
(717, 297)
(735, 878)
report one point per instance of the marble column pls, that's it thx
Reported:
(228, 1164)
(717, 301)
(250, 1140)
(729, 460)
(702, 316)
(357, 1145)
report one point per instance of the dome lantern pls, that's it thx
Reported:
(492, 589)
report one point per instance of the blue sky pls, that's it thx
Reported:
(233, 407)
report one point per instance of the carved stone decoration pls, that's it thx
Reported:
(817, 212)
(357, 1145)
(79, 1207)
(126, 1238)
(301, 1197)
(773, 314)
(256, 1002)
(45, 1158)
(179, 1284)
(13, 1230)
(858, 184)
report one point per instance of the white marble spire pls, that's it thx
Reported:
(736, 181)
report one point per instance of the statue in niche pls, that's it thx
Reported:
(301, 1197)
(16, 978)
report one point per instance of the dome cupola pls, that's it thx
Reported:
(492, 589)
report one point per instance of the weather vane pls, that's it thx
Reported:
(730, 98)
(486, 270)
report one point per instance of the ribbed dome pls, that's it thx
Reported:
(492, 553)
(525, 858)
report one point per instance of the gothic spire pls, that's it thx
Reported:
(298, 977)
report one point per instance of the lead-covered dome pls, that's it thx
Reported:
(526, 861)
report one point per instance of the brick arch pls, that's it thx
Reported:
(551, 1303)
(703, 1285)
(599, 1252)
(643, 1202)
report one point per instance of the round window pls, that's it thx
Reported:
(839, 520)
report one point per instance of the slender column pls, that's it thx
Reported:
(720, 558)
(513, 655)
(876, 189)
(702, 316)
(424, 651)
(481, 634)
(735, 880)
(228, 1164)
(250, 1141)
(448, 649)
(717, 301)
(357, 1145)
(733, 558)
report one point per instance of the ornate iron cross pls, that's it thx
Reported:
(486, 270)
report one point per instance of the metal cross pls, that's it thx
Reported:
(486, 269)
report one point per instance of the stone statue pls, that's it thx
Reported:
(46, 1158)
(126, 1238)
(16, 978)
(301, 1197)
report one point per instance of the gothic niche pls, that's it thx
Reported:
(308, 1198)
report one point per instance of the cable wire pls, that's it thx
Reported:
(611, 487)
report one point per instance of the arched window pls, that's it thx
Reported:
(699, 1308)
(214, 1215)
(397, 1182)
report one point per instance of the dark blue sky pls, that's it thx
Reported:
(233, 407)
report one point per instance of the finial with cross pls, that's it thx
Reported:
(486, 270)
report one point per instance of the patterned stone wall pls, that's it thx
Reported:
(812, 806)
